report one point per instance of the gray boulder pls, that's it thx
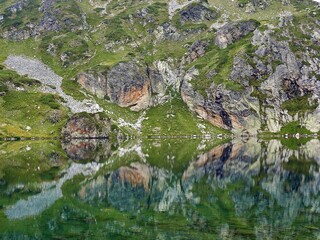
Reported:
(129, 86)
(196, 13)
(232, 32)
(93, 84)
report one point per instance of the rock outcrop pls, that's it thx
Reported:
(223, 108)
(85, 126)
(270, 78)
(196, 12)
(93, 84)
(129, 86)
(132, 85)
(49, 16)
(232, 32)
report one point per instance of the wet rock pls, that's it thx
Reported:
(232, 32)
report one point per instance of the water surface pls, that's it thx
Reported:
(160, 189)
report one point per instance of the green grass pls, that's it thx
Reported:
(293, 128)
(174, 118)
(20, 110)
(220, 60)
(299, 104)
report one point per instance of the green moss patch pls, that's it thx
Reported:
(299, 104)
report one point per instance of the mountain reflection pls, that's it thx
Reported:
(259, 177)
(240, 189)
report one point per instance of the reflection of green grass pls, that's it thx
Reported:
(28, 161)
(294, 143)
(299, 166)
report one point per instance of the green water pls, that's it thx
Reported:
(160, 189)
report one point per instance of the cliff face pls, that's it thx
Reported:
(276, 87)
(242, 66)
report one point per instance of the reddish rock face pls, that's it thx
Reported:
(129, 86)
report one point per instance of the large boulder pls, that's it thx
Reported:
(85, 125)
(232, 32)
(196, 12)
(93, 84)
(128, 85)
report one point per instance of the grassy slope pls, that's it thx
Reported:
(116, 27)
(174, 118)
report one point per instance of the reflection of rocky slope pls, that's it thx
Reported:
(269, 169)
(50, 192)
(265, 171)
(133, 188)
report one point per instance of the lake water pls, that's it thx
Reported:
(160, 189)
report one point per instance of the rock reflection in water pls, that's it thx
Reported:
(267, 182)
(87, 149)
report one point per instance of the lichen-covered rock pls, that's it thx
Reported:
(128, 85)
(196, 12)
(196, 50)
(232, 32)
(49, 16)
(273, 81)
(84, 125)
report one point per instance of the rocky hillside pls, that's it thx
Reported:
(246, 66)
